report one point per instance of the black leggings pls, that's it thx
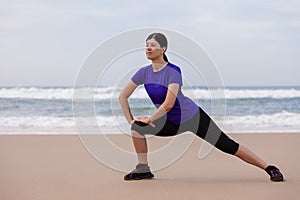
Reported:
(201, 125)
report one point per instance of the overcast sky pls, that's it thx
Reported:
(252, 42)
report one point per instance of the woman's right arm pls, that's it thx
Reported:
(123, 99)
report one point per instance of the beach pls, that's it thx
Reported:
(75, 75)
(59, 167)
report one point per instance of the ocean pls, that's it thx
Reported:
(49, 110)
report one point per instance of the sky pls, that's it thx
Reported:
(252, 42)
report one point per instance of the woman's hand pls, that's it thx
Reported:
(145, 119)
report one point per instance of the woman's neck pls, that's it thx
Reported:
(158, 65)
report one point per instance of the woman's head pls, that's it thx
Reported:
(156, 46)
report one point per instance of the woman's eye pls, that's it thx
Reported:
(150, 45)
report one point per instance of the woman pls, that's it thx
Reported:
(175, 113)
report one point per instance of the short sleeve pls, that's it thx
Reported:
(138, 77)
(175, 76)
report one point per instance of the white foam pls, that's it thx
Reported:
(140, 93)
(64, 124)
(36, 93)
(284, 121)
(242, 93)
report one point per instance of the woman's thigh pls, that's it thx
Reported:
(204, 127)
(162, 128)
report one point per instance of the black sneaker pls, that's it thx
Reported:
(142, 171)
(274, 172)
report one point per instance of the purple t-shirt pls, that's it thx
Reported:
(156, 85)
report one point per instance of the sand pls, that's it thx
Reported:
(59, 167)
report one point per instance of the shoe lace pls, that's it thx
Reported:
(140, 169)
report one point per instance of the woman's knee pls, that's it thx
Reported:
(141, 128)
(136, 134)
(226, 144)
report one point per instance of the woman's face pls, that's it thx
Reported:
(153, 49)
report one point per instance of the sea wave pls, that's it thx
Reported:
(140, 93)
(284, 121)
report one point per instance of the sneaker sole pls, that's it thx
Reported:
(138, 178)
(277, 179)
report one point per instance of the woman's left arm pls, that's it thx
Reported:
(166, 106)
